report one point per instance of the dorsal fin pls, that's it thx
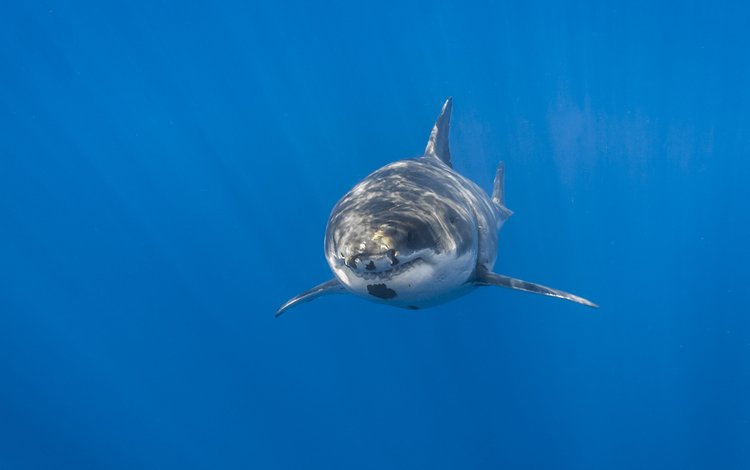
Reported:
(437, 146)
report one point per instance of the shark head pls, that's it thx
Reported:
(401, 243)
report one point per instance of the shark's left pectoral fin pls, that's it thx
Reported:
(492, 279)
(329, 287)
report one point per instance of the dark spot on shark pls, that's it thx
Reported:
(370, 266)
(412, 307)
(381, 291)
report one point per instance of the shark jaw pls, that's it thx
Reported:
(419, 282)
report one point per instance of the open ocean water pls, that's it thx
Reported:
(167, 170)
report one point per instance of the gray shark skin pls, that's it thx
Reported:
(415, 233)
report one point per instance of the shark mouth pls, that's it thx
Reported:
(395, 270)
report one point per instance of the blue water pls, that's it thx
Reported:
(167, 169)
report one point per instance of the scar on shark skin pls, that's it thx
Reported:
(381, 290)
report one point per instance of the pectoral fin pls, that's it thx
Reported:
(329, 287)
(492, 279)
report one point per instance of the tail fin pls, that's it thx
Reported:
(498, 194)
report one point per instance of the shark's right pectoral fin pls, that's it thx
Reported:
(329, 287)
(492, 279)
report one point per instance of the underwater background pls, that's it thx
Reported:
(167, 170)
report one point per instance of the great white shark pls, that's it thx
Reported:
(415, 233)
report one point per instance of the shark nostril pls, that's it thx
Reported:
(352, 261)
(392, 257)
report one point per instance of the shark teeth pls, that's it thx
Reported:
(384, 275)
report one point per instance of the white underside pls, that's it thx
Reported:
(426, 280)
